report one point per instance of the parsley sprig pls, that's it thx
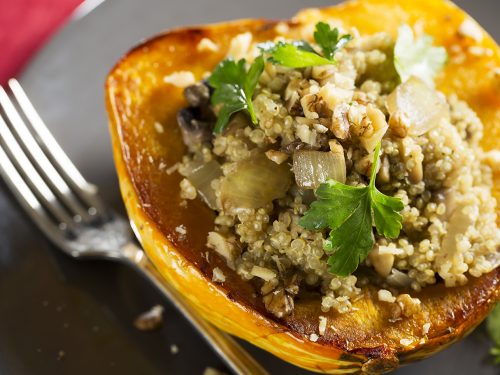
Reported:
(493, 327)
(302, 54)
(328, 39)
(234, 87)
(350, 212)
(417, 56)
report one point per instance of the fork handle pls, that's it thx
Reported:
(228, 349)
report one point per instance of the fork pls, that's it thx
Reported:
(68, 210)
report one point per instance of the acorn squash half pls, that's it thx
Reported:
(363, 340)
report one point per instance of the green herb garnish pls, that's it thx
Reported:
(234, 87)
(417, 57)
(292, 56)
(329, 40)
(493, 327)
(349, 212)
(301, 54)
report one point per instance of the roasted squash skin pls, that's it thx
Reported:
(364, 340)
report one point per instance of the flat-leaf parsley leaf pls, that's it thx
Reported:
(328, 39)
(292, 56)
(350, 213)
(301, 54)
(417, 56)
(234, 87)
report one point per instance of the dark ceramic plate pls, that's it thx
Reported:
(59, 316)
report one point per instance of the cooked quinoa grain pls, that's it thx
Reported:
(250, 175)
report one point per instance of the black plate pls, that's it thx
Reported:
(60, 316)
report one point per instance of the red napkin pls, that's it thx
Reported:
(24, 26)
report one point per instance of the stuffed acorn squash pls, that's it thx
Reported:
(314, 193)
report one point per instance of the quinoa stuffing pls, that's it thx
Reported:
(334, 163)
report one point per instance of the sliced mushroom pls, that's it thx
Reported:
(197, 95)
(398, 279)
(194, 131)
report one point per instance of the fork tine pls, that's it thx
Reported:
(52, 177)
(27, 198)
(33, 178)
(85, 190)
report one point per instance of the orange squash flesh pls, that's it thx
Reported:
(361, 341)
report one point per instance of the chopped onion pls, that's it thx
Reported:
(312, 168)
(254, 183)
(421, 107)
(201, 177)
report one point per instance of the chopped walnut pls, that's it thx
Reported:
(269, 286)
(340, 123)
(292, 98)
(395, 313)
(406, 342)
(278, 299)
(335, 146)
(308, 103)
(218, 276)
(222, 245)
(292, 284)
(150, 320)
(409, 305)
(386, 296)
(279, 302)
(398, 123)
(322, 109)
(383, 175)
(322, 325)
(293, 105)
(364, 165)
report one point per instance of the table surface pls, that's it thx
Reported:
(60, 316)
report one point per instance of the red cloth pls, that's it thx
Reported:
(24, 26)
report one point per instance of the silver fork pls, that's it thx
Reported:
(70, 213)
